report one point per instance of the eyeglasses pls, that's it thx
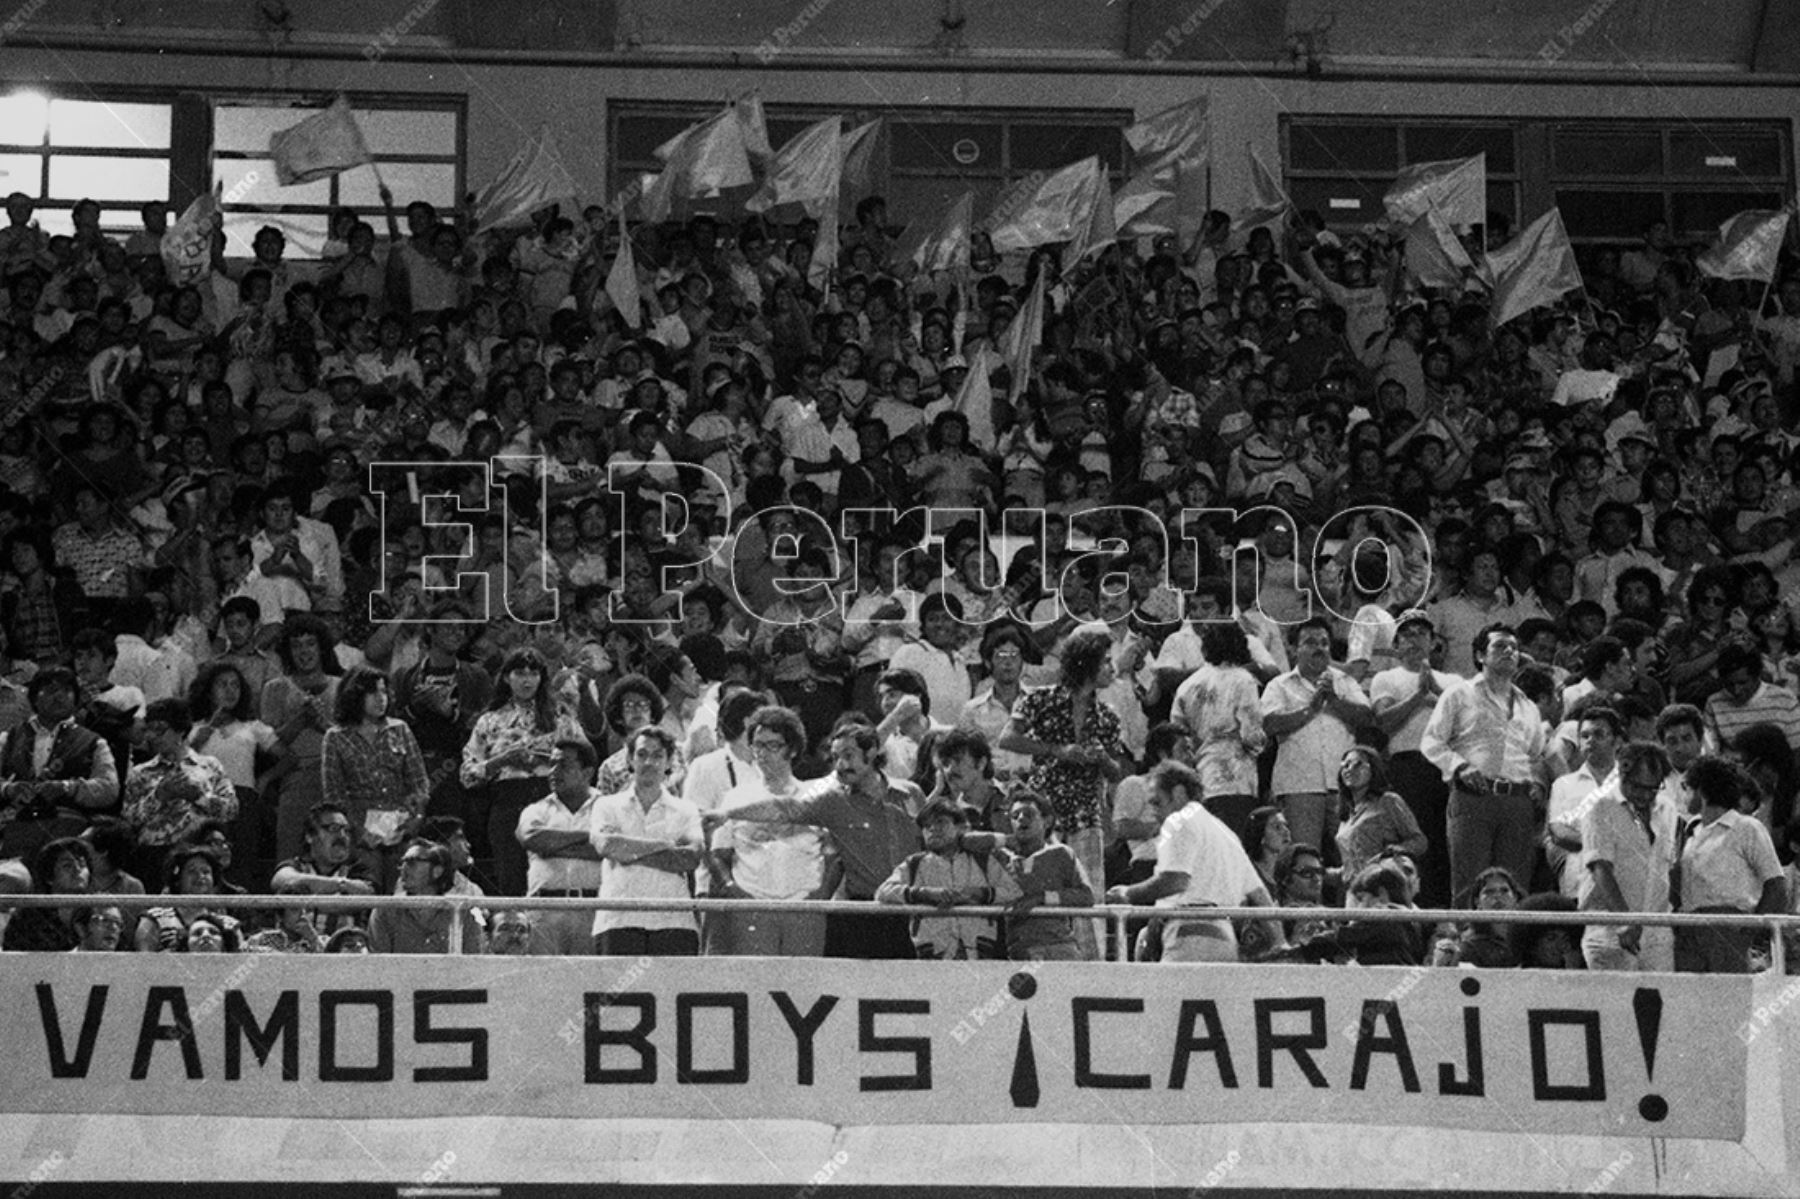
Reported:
(768, 745)
(1309, 871)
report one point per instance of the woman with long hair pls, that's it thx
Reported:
(298, 704)
(1371, 816)
(225, 728)
(509, 757)
(1265, 837)
(1075, 742)
(372, 768)
(1221, 705)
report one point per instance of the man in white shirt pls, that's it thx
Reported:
(1403, 697)
(1727, 864)
(648, 842)
(819, 447)
(1488, 740)
(298, 547)
(1628, 844)
(140, 665)
(1572, 795)
(1312, 712)
(1199, 863)
(1003, 652)
(561, 861)
(714, 774)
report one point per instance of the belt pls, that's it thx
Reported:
(1503, 787)
(594, 894)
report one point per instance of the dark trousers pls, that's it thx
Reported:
(507, 801)
(872, 937)
(1714, 950)
(648, 942)
(1422, 786)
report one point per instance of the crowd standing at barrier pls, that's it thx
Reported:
(367, 575)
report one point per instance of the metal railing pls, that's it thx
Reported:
(1117, 916)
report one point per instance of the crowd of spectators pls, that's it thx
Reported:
(1474, 616)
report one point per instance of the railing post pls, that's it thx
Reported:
(1121, 946)
(1777, 950)
(456, 924)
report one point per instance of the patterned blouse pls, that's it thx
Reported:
(1222, 707)
(508, 728)
(385, 773)
(1077, 790)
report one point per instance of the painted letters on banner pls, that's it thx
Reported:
(855, 1043)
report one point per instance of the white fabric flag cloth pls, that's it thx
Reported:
(1534, 269)
(327, 143)
(187, 244)
(1456, 187)
(622, 280)
(532, 181)
(1749, 246)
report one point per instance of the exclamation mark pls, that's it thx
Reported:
(1025, 1089)
(1647, 1006)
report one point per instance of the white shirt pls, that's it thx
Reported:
(320, 546)
(552, 815)
(1307, 760)
(1399, 685)
(668, 819)
(1198, 844)
(1726, 863)
(713, 775)
(774, 861)
(149, 670)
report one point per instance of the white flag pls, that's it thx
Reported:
(187, 244)
(1534, 269)
(533, 180)
(327, 143)
(1061, 209)
(622, 280)
(1457, 188)
(702, 160)
(1749, 246)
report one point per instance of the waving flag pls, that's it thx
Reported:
(975, 398)
(622, 280)
(1269, 202)
(701, 160)
(1064, 208)
(945, 248)
(533, 180)
(327, 143)
(1457, 188)
(187, 244)
(1434, 254)
(1144, 205)
(1174, 145)
(1022, 337)
(1534, 269)
(807, 171)
(860, 147)
(1749, 246)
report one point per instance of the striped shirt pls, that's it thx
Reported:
(1769, 705)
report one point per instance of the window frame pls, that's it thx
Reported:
(1398, 126)
(45, 152)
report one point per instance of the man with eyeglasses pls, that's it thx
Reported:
(1488, 739)
(870, 819)
(328, 867)
(1628, 844)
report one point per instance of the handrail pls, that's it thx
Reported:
(1116, 915)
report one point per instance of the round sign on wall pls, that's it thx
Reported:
(965, 150)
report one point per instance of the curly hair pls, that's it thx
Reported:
(358, 685)
(200, 698)
(1225, 644)
(305, 624)
(631, 684)
(1082, 656)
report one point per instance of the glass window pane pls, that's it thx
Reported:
(116, 126)
(430, 182)
(1619, 152)
(1051, 146)
(1340, 201)
(923, 199)
(305, 232)
(1725, 154)
(1343, 147)
(639, 135)
(1433, 143)
(1594, 212)
(82, 176)
(1504, 199)
(252, 181)
(948, 146)
(22, 173)
(1701, 213)
(247, 129)
(118, 223)
(24, 116)
(408, 131)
